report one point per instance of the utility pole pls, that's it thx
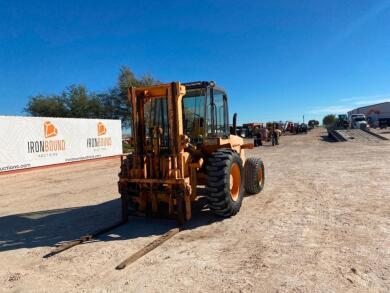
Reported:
(303, 118)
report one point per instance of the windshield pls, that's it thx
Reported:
(202, 118)
(194, 114)
(359, 119)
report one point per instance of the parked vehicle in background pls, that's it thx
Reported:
(301, 128)
(289, 126)
(342, 121)
(313, 123)
(373, 122)
(358, 121)
(384, 123)
(250, 127)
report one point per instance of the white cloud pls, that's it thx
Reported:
(354, 99)
(330, 110)
(370, 102)
(366, 100)
(347, 104)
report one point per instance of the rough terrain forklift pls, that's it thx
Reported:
(181, 142)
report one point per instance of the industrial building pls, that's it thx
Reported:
(378, 115)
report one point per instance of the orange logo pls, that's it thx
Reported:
(101, 129)
(373, 111)
(49, 129)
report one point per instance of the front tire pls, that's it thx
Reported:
(225, 182)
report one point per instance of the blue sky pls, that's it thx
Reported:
(277, 59)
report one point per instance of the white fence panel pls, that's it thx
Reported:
(27, 142)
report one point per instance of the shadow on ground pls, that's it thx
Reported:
(326, 138)
(46, 228)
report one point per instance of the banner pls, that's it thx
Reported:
(27, 142)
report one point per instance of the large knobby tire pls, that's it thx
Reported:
(225, 182)
(254, 175)
(181, 210)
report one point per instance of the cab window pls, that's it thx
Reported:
(220, 113)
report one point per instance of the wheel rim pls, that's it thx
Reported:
(235, 181)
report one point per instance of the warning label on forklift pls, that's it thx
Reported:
(27, 142)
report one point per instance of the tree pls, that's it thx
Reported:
(110, 102)
(47, 106)
(74, 102)
(83, 104)
(117, 99)
(329, 120)
(77, 102)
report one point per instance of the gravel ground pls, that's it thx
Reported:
(322, 224)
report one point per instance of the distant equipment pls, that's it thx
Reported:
(342, 121)
(358, 121)
(355, 128)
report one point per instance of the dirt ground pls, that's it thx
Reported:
(322, 224)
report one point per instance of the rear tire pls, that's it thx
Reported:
(254, 175)
(225, 182)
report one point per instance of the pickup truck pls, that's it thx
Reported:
(358, 121)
